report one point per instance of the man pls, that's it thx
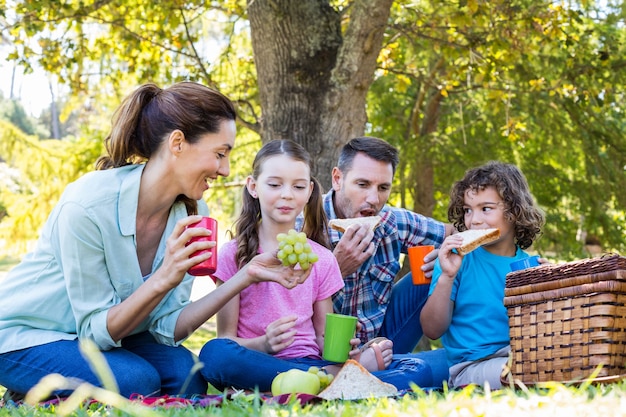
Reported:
(370, 260)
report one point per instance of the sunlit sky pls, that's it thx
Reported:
(32, 89)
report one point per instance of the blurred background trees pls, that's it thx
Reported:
(451, 84)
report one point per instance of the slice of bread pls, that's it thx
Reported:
(342, 224)
(354, 382)
(474, 238)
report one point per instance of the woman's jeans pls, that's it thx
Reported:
(141, 366)
(228, 364)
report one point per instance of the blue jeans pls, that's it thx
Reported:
(402, 319)
(228, 364)
(140, 366)
(402, 326)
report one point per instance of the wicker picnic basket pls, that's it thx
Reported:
(567, 319)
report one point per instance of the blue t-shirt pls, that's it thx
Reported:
(480, 323)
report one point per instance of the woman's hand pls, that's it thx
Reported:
(279, 334)
(177, 259)
(267, 267)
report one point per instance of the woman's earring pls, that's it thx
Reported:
(253, 195)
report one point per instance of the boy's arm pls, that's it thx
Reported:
(436, 315)
(437, 312)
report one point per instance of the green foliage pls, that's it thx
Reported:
(36, 173)
(534, 83)
(13, 112)
(525, 82)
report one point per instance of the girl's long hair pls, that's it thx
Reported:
(246, 225)
(148, 115)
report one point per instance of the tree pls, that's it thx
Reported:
(520, 81)
(313, 76)
(450, 83)
(315, 62)
(12, 111)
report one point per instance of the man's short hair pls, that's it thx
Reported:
(375, 148)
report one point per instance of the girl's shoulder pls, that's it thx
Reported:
(229, 245)
(326, 257)
(320, 249)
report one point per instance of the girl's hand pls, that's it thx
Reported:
(279, 334)
(177, 259)
(356, 342)
(354, 351)
(267, 267)
(449, 261)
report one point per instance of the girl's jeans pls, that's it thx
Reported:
(228, 364)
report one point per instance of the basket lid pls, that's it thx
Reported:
(553, 272)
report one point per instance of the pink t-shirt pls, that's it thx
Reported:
(261, 304)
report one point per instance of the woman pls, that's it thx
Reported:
(111, 262)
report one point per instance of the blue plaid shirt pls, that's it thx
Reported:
(367, 292)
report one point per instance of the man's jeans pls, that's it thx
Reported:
(402, 325)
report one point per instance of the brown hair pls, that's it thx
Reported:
(246, 225)
(511, 185)
(149, 114)
(374, 148)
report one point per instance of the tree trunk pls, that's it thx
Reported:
(55, 128)
(312, 80)
(424, 122)
(422, 166)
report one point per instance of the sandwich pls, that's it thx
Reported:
(474, 238)
(354, 382)
(342, 224)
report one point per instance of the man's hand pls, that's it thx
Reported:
(354, 248)
(429, 263)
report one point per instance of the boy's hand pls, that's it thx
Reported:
(449, 261)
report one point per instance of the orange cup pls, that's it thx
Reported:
(416, 260)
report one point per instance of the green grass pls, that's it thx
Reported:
(553, 400)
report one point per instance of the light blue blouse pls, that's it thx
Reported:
(84, 263)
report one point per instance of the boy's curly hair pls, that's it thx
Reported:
(511, 185)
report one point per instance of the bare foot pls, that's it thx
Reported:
(376, 355)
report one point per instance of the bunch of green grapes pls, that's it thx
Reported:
(325, 379)
(293, 248)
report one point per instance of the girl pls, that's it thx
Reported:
(465, 306)
(111, 262)
(267, 329)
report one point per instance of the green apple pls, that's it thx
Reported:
(294, 381)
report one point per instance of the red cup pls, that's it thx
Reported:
(208, 266)
(416, 260)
